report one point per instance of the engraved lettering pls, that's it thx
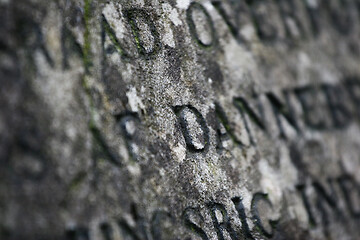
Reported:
(351, 191)
(106, 29)
(33, 39)
(353, 87)
(316, 14)
(207, 37)
(106, 231)
(313, 110)
(194, 128)
(243, 107)
(341, 16)
(233, 27)
(79, 233)
(127, 231)
(222, 119)
(242, 215)
(329, 198)
(336, 99)
(284, 110)
(294, 27)
(190, 214)
(302, 189)
(257, 198)
(266, 24)
(129, 124)
(69, 45)
(103, 147)
(137, 19)
(223, 224)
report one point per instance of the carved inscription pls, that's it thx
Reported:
(194, 128)
(204, 40)
(325, 202)
(283, 25)
(142, 27)
(334, 110)
(223, 132)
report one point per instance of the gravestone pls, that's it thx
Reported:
(179, 119)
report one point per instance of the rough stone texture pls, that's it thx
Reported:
(138, 119)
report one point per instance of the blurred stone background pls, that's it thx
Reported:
(179, 119)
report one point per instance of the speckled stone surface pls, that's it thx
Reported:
(179, 119)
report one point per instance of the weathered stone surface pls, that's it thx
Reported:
(179, 119)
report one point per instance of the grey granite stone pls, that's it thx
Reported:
(179, 119)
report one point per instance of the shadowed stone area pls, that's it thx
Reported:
(179, 119)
